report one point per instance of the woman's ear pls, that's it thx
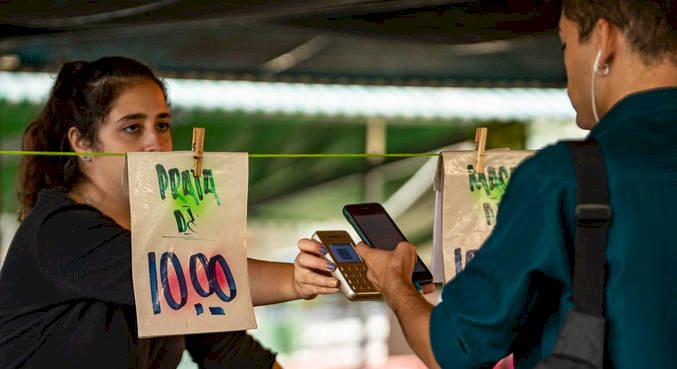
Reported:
(78, 143)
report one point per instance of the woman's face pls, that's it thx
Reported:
(578, 62)
(139, 120)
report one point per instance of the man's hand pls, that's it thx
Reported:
(389, 271)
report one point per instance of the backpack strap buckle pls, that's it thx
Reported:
(593, 214)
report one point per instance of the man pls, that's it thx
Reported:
(621, 62)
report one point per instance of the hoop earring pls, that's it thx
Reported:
(86, 158)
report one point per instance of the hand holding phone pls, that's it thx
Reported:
(377, 229)
(351, 271)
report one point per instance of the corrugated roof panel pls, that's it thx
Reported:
(343, 100)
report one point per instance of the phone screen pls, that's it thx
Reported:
(378, 230)
(383, 234)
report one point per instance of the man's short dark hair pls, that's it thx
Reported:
(649, 25)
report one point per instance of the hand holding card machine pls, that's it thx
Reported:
(377, 229)
(350, 268)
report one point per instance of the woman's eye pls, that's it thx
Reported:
(132, 128)
(163, 126)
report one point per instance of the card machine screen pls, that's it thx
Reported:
(344, 252)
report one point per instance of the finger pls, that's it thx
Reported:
(428, 288)
(315, 280)
(362, 249)
(326, 290)
(407, 249)
(311, 246)
(364, 252)
(313, 262)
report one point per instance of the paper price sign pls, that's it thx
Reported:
(466, 205)
(189, 260)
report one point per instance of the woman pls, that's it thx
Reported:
(66, 284)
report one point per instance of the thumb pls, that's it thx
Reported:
(362, 249)
(406, 249)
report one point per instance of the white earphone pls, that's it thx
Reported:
(596, 72)
(595, 67)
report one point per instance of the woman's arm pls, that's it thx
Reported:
(272, 282)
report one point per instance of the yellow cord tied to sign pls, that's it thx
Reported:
(260, 156)
(60, 153)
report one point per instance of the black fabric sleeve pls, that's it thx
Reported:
(86, 255)
(228, 350)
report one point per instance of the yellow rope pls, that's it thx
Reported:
(257, 156)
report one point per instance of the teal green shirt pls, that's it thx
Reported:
(515, 293)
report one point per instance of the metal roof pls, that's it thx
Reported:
(382, 42)
(337, 100)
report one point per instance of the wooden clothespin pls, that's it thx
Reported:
(197, 148)
(480, 145)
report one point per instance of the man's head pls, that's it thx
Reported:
(609, 46)
(649, 26)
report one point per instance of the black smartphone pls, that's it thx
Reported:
(377, 229)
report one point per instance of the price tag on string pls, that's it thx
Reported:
(189, 259)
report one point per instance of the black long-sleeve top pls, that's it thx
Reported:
(66, 300)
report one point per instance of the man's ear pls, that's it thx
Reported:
(606, 41)
(78, 143)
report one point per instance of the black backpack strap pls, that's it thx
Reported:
(581, 340)
(593, 216)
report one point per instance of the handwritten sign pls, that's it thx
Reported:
(466, 204)
(189, 260)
